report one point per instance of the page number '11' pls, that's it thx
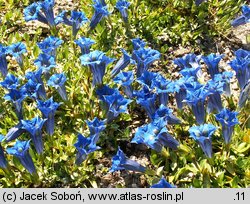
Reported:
(240, 196)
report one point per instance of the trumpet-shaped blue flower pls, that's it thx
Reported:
(138, 43)
(100, 12)
(84, 44)
(125, 79)
(198, 2)
(34, 128)
(121, 162)
(97, 61)
(179, 87)
(224, 77)
(36, 77)
(244, 18)
(14, 132)
(244, 94)
(3, 61)
(188, 61)
(10, 82)
(144, 57)
(215, 88)
(32, 12)
(212, 62)
(166, 114)
(16, 97)
(41, 11)
(21, 151)
(122, 6)
(48, 109)
(191, 72)
(228, 119)
(147, 79)
(155, 135)
(76, 20)
(3, 162)
(241, 66)
(202, 134)
(116, 104)
(58, 82)
(162, 184)
(49, 45)
(85, 146)
(195, 98)
(34, 90)
(147, 100)
(96, 126)
(162, 89)
(45, 62)
(17, 50)
(122, 63)
(106, 91)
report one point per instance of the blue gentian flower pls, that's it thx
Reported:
(104, 91)
(16, 97)
(212, 62)
(191, 72)
(100, 12)
(14, 132)
(147, 99)
(3, 61)
(3, 162)
(10, 82)
(125, 79)
(97, 61)
(32, 12)
(122, 63)
(84, 44)
(17, 50)
(161, 86)
(138, 43)
(121, 162)
(162, 184)
(76, 20)
(196, 100)
(228, 119)
(244, 18)
(147, 79)
(21, 151)
(96, 126)
(41, 11)
(155, 135)
(241, 66)
(45, 62)
(85, 146)
(198, 2)
(179, 87)
(122, 6)
(244, 94)
(144, 57)
(34, 90)
(48, 109)
(166, 114)
(188, 61)
(36, 77)
(202, 134)
(34, 128)
(116, 104)
(224, 77)
(58, 82)
(49, 45)
(215, 89)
